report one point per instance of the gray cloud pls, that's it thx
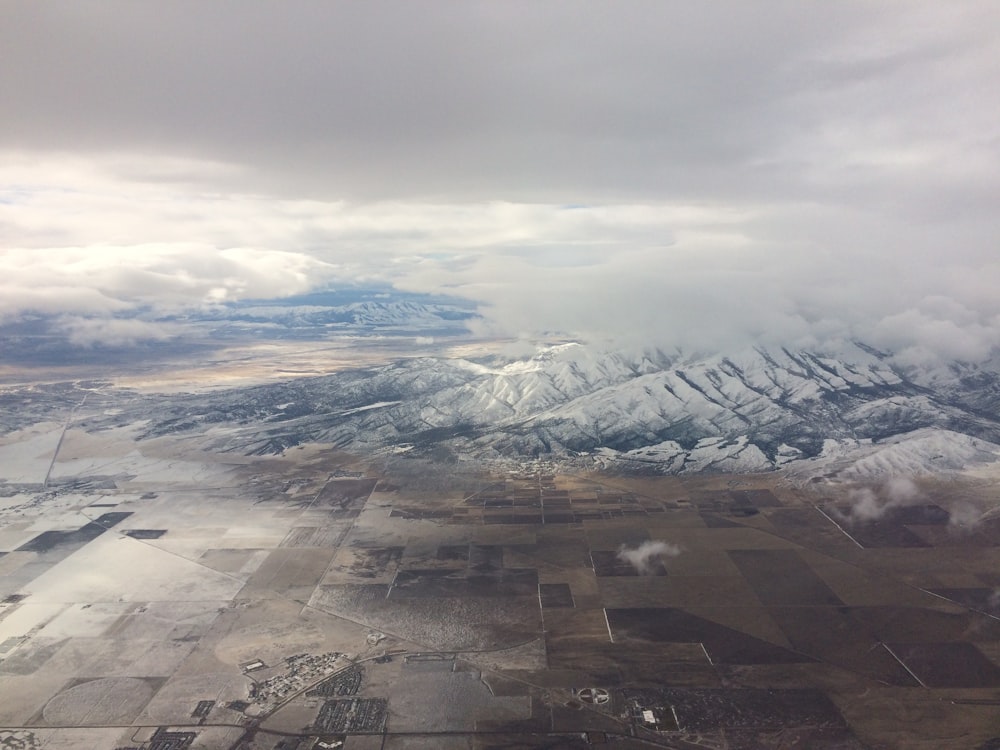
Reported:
(698, 175)
(514, 101)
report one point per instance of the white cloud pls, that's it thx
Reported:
(101, 280)
(868, 504)
(644, 556)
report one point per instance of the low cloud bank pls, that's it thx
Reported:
(88, 332)
(119, 295)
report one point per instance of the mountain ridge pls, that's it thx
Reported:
(763, 408)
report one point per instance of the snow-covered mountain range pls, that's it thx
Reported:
(754, 410)
(411, 315)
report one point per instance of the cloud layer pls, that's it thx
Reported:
(703, 175)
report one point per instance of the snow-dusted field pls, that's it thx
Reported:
(25, 455)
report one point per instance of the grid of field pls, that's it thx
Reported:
(733, 612)
(538, 499)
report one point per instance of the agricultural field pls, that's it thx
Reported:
(156, 594)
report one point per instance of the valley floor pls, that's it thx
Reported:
(158, 595)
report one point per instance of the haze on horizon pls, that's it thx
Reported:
(699, 175)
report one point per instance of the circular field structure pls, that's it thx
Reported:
(111, 700)
(174, 701)
(594, 696)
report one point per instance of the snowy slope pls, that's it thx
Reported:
(925, 451)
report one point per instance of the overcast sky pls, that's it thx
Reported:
(695, 173)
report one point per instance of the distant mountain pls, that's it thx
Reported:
(755, 410)
(146, 334)
(401, 314)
